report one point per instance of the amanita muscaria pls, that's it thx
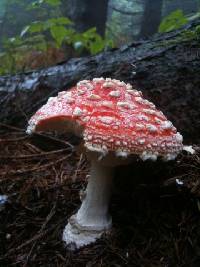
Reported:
(116, 125)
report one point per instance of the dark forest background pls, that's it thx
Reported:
(41, 33)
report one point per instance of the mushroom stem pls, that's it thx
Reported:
(92, 219)
(94, 209)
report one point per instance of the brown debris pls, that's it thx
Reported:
(155, 216)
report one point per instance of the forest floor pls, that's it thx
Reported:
(155, 207)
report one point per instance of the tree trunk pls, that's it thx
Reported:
(167, 71)
(87, 14)
(151, 18)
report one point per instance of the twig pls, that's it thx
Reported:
(48, 218)
(26, 243)
(13, 139)
(35, 155)
(11, 127)
(36, 168)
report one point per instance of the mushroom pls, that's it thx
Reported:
(116, 125)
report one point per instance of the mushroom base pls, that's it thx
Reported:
(76, 236)
(92, 219)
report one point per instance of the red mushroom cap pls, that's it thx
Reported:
(111, 116)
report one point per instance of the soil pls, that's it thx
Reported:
(155, 207)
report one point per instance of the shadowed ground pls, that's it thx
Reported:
(155, 218)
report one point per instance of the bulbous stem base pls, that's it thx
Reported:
(92, 219)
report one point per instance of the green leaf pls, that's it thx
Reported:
(90, 33)
(11, 43)
(173, 21)
(52, 2)
(59, 21)
(197, 29)
(97, 46)
(34, 27)
(58, 33)
(63, 21)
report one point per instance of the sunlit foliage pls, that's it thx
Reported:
(173, 21)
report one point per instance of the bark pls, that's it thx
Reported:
(167, 71)
(151, 18)
(87, 14)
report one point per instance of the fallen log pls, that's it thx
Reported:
(165, 68)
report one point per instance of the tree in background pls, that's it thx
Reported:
(130, 20)
(48, 37)
(2, 17)
(87, 14)
(2, 8)
(14, 17)
(151, 17)
(45, 32)
(124, 20)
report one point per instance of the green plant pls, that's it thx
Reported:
(191, 34)
(91, 41)
(187, 35)
(61, 31)
(58, 28)
(16, 49)
(55, 31)
(173, 21)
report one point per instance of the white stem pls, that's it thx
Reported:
(92, 219)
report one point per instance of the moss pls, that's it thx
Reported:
(184, 37)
